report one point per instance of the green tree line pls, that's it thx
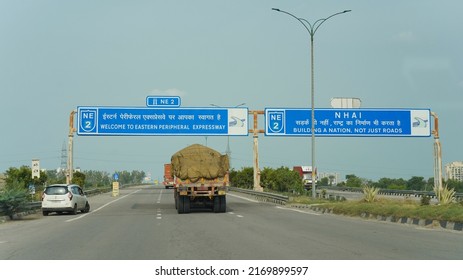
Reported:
(284, 179)
(21, 177)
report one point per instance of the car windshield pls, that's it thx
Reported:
(56, 190)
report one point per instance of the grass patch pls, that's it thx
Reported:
(384, 207)
(305, 200)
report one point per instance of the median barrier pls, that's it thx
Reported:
(263, 196)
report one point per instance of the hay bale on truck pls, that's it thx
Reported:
(200, 178)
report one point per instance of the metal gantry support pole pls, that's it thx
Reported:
(437, 154)
(72, 129)
(312, 29)
(255, 135)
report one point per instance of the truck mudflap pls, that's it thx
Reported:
(213, 197)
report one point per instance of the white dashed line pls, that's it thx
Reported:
(98, 209)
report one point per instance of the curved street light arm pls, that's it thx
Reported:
(311, 28)
(319, 22)
(301, 20)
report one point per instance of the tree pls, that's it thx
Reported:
(94, 179)
(281, 179)
(392, 184)
(324, 181)
(242, 179)
(416, 183)
(13, 199)
(331, 179)
(22, 177)
(353, 181)
(55, 177)
(134, 177)
(454, 184)
(137, 177)
(78, 178)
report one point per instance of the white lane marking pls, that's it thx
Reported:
(160, 196)
(245, 198)
(299, 211)
(98, 209)
(239, 216)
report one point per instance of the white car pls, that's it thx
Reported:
(64, 198)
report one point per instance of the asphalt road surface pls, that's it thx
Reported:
(142, 224)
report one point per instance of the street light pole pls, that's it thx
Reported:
(312, 29)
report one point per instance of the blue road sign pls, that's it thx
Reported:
(163, 101)
(116, 176)
(349, 122)
(118, 121)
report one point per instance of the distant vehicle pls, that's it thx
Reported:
(305, 172)
(64, 198)
(201, 179)
(168, 177)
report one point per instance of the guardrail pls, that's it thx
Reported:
(263, 196)
(419, 194)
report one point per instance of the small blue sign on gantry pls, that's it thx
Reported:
(163, 101)
(118, 121)
(349, 122)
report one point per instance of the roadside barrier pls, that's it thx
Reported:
(263, 196)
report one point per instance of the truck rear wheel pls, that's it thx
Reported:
(220, 204)
(223, 204)
(176, 200)
(186, 204)
(179, 204)
(183, 204)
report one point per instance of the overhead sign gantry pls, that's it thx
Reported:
(132, 121)
(349, 122)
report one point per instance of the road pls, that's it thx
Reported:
(142, 224)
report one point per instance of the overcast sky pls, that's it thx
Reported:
(57, 55)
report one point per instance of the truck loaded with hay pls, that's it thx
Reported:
(200, 178)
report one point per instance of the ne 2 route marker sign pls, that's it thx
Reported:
(123, 121)
(348, 122)
(163, 101)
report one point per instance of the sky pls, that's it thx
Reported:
(57, 55)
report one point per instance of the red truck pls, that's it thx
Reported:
(168, 178)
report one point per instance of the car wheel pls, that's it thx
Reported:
(45, 213)
(87, 208)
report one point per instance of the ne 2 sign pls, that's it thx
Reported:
(348, 122)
